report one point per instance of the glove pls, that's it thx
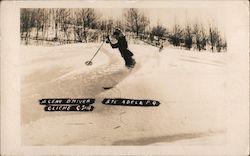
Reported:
(107, 39)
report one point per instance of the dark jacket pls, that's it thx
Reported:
(122, 45)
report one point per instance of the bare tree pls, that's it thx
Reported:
(176, 35)
(38, 25)
(135, 21)
(204, 37)
(27, 22)
(86, 18)
(199, 36)
(224, 44)
(44, 22)
(221, 44)
(105, 26)
(120, 24)
(159, 31)
(213, 36)
(65, 23)
(188, 37)
(56, 16)
(41, 17)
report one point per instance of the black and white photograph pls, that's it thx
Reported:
(123, 74)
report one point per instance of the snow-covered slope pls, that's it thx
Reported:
(189, 85)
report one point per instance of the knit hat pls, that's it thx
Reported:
(118, 32)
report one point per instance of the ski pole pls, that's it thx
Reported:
(90, 62)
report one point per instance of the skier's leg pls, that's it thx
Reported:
(129, 62)
(125, 60)
(132, 62)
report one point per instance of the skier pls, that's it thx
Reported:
(122, 45)
(161, 46)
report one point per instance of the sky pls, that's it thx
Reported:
(169, 16)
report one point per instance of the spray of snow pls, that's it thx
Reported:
(189, 85)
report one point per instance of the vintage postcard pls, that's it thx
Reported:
(124, 77)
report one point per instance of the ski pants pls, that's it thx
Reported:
(129, 61)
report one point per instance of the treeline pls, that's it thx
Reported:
(59, 25)
(191, 36)
(64, 26)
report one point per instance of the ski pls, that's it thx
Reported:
(107, 88)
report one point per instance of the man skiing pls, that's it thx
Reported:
(123, 48)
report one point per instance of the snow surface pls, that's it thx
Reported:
(190, 86)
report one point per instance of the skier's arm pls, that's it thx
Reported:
(112, 45)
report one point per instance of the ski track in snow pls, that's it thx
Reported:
(82, 85)
(118, 125)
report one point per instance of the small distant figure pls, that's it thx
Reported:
(161, 47)
(122, 45)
